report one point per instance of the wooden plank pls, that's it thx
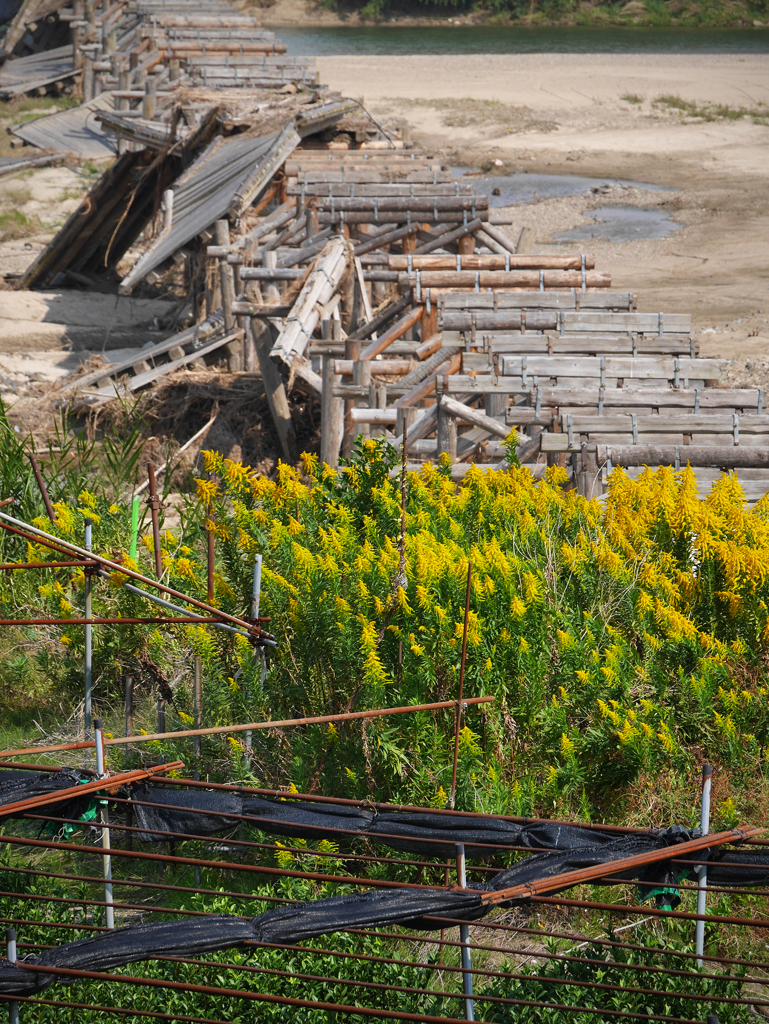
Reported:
(143, 380)
(697, 455)
(614, 366)
(322, 282)
(484, 384)
(467, 415)
(372, 176)
(163, 348)
(670, 398)
(478, 261)
(384, 191)
(393, 333)
(529, 279)
(537, 299)
(427, 386)
(647, 323)
(687, 422)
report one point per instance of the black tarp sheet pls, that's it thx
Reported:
(22, 785)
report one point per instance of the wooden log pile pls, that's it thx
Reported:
(440, 326)
(335, 260)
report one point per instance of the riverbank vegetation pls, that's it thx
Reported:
(577, 13)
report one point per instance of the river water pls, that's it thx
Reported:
(393, 40)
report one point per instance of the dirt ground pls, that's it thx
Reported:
(599, 115)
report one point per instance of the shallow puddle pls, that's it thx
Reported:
(623, 224)
(510, 189)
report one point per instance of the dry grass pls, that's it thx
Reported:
(501, 118)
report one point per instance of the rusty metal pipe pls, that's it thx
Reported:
(598, 871)
(42, 488)
(221, 729)
(366, 1011)
(164, 886)
(56, 544)
(218, 865)
(128, 1011)
(348, 716)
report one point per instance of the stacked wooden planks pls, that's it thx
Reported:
(441, 328)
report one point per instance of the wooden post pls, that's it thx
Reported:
(466, 245)
(377, 399)
(495, 404)
(275, 389)
(331, 409)
(588, 475)
(429, 324)
(361, 375)
(226, 278)
(347, 304)
(271, 290)
(88, 78)
(149, 102)
(405, 417)
(311, 220)
(525, 240)
(410, 242)
(76, 32)
(351, 351)
(446, 440)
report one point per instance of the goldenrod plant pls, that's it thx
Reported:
(622, 639)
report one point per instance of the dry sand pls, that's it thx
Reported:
(565, 113)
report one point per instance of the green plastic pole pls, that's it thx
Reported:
(134, 526)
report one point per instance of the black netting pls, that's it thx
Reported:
(194, 812)
(20, 785)
(191, 811)
(307, 820)
(728, 868)
(417, 908)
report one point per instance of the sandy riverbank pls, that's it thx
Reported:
(575, 113)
